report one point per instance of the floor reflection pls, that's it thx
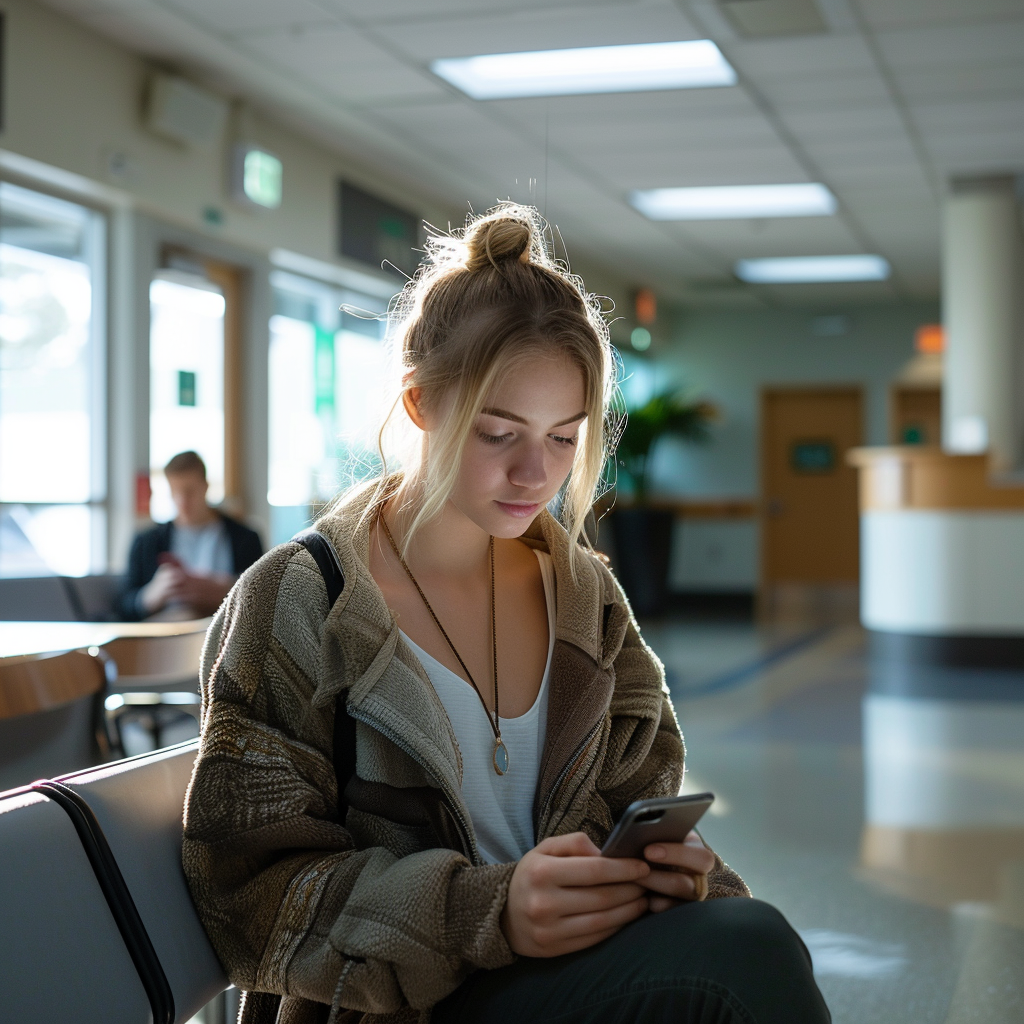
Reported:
(883, 812)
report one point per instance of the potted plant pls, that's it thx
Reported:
(642, 530)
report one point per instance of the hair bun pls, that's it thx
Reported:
(492, 241)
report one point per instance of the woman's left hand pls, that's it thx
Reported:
(679, 871)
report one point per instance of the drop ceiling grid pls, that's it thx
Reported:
(238, 17)
(886, 13)
(962, 80)
(343, 63)
(642, 21)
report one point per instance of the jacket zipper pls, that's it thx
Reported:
(570, 767)
(469, 847)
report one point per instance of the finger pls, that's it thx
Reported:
(581, 942)
(586, 871)
(571, 902)
(678, 884)
(576, 844)
(696, 859)
(598, 921)
(662, 903)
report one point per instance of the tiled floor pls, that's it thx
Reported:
(889, 829)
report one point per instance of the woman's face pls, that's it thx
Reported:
(522, 447)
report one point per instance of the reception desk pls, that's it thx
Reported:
(942, 552)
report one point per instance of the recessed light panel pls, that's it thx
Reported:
(811, 269)
(691, 64)
(722, 202)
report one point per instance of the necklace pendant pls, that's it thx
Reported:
(500, 756)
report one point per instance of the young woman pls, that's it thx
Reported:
(504, 711)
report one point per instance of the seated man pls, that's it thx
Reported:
(186, 567)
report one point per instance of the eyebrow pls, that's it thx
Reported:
(506, 415)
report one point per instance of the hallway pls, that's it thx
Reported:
(907, 918)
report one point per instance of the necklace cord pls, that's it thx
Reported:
(496, 722)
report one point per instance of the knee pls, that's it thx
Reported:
(757, 928)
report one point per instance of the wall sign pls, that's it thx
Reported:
(186, 387)
(812, 456)
(376, 232)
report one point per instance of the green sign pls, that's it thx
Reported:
(813, 456)
(323, 368)
(261, 178)
(186, 387)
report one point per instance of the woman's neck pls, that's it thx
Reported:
(449, 545)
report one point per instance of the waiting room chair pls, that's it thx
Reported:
(157, 683)
(51, 715)
(98, 924)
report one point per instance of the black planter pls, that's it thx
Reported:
(643, 549)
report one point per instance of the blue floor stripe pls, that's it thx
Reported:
(735, 677)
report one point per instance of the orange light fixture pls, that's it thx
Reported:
(646, 307)
(930, 338)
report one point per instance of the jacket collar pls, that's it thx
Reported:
(363, 653)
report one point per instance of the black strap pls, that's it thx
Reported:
(327, 561)
(118, 897)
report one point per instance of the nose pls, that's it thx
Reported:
(528, 469)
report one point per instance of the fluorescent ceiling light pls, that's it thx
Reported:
(804, 269)
(723, 202)
(693, 64)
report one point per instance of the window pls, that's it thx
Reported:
(328, 395)
(52, 438)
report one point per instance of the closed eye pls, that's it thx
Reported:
(565, 440)
(492, 438)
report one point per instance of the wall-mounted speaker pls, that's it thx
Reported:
(178, 110)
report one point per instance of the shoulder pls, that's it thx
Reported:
(156, 536)
(236, 528)
(275, 611)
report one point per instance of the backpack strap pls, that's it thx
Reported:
(329, 565)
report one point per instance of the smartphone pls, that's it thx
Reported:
(666, 819)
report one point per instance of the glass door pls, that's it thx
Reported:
(186, 367)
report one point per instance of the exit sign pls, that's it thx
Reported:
(256, 177)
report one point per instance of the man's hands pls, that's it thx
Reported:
(565, 896)
(173, 583)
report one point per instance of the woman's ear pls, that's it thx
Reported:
(411, 399)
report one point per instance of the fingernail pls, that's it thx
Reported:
(656, 852)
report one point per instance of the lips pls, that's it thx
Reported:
(518, 510)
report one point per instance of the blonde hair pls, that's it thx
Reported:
(487, 298)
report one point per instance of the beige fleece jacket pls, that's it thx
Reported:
(378, 918)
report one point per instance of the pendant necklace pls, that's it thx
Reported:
(499, 756)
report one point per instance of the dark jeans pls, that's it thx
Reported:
(726, 961)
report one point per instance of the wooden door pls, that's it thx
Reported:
(810, 529)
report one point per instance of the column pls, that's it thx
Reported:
(983, 313)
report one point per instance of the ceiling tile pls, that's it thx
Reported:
(386, 10)
(851, 123)
(971, 43)
(551, 28)
(884, 13)
(343, 64)
(793, 236)
(239, 16)
(854, 88)
(966, 84)
(820, 56)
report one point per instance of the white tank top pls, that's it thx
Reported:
(500, 806)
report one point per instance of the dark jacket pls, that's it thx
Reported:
(148, 545)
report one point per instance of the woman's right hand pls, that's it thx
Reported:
(565, 896)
